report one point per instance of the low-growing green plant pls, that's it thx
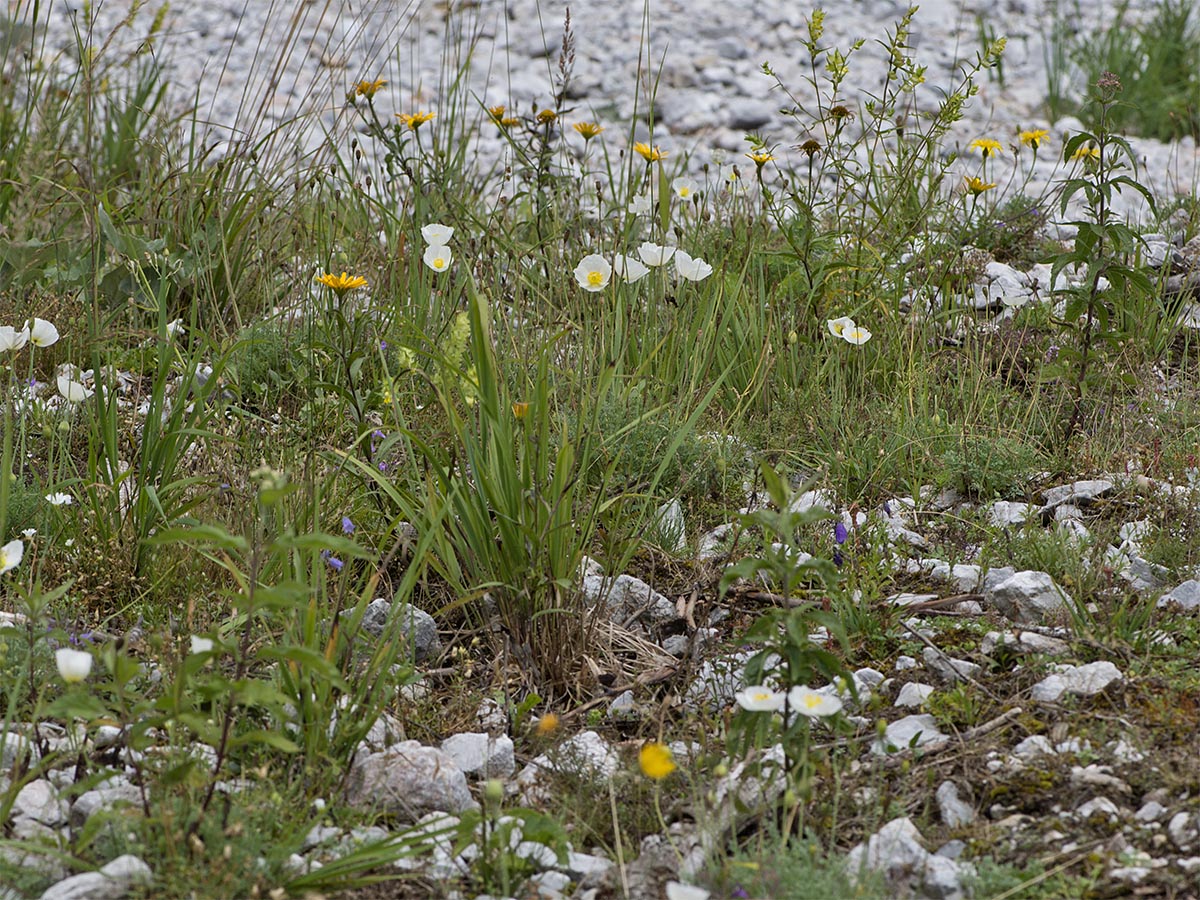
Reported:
(992, 465)
(1155, 56)
(791, 653)
(1102, 247)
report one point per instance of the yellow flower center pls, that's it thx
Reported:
(596, 278)
(439, 262)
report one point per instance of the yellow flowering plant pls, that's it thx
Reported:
(415, 120)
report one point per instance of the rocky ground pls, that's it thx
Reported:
(258, 66)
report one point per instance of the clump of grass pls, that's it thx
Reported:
(1155, 57)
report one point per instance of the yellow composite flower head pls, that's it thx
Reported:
(368, 89)
(588, 130)
(1086, 154)
(977, 185)
(760, 157)
(987, 146)
(656, 760)
(1033, 138)
(547, 117)
(340, 284)
(649, 153)
(415, 120)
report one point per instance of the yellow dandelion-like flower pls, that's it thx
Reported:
(588, 130)
(760, 157)
(368, 89)
(1033, 138)
(977, 185)
(656, 760)
(415, 120)
(648, 153)
(340, 284)
(497, 113)
(547, 117)
(548, 724)
(987, 146)
(1086, 154)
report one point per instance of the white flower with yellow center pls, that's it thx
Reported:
(856, 335)
(438, 257)
(685, 188)
(593, 272)
(73, 665)
(758, 698)
(691, 268)
(814, 704)
(437, 235)
(10, 555)
(731, 177)
(654, 255)
(11, 339)
(41, 332)
(839, 325)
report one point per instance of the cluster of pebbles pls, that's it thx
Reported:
(257, 68)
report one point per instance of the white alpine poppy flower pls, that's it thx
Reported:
(11, 339)
(41, 333)
(838, 325)
(593, 272)
(437, 235)
(73, 390)
(73, 665)
(731, 177)
(814, 704)
(691, 268)
(10, 555)
(629, 268)
(758, 698)
(640, 205)
(856, 335)
(438, 257)
(685, 188)
(60, 498)
(654, 255)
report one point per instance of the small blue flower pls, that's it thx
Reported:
(347, 525)
(332, 561)
(839, 533)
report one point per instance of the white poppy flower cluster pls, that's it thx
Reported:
(594, 271)
(437, 246)
(845, 328)
(800, 699)
(41, 333)
(38, 332)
